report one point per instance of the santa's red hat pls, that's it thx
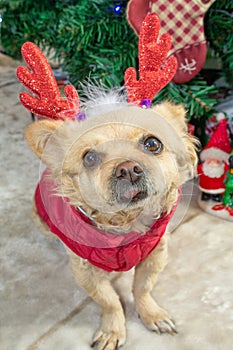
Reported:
(219, 146)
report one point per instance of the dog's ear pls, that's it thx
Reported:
(186, 156)
(187, 159)
(37, 134)
(174, 114)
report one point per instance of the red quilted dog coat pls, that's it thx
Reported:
(108, 251)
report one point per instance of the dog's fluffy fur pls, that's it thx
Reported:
(117, 137)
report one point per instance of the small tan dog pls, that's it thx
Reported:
(123, 175)
(111, 185)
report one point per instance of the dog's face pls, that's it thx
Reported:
(118, 165)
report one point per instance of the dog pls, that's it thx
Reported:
(114, 169)
(116, 179)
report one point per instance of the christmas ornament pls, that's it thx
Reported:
(213, 168)
(183, 20)
(212, 123)
(226, 106)
(47, 101)
(218, 146)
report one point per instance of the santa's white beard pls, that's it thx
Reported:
(213, 170)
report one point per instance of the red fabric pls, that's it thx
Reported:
(105, 250)
(211, 184)
(136, 13)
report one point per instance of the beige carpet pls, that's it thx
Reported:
(41, 308)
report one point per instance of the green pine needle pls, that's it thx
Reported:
(91, 40)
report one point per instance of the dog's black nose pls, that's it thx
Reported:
(130, 171)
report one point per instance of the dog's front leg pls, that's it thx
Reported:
(112, 331)
(146, 273)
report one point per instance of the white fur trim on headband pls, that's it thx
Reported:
(100, 99)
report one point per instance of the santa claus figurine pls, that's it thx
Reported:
(214, 164)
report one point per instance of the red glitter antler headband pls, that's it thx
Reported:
(47, 100)
(155, 71)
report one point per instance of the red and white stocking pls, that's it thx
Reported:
(183, 20)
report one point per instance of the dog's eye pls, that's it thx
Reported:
(153, 145)
(91, 159)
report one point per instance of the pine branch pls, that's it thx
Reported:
(195, 95)
(88, 36)
(219, 33)
(91, 40)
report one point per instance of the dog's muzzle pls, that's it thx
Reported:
(129, 182)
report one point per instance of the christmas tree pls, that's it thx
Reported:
(93, 39)
(90, 38)
(228, 194)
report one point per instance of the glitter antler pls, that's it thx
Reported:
(47, 100)
(155, 71)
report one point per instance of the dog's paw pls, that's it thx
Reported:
(160, 325)
(157, 320)
(108, 340)
(112, 333)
